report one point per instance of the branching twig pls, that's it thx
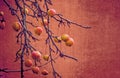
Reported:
(23, 37)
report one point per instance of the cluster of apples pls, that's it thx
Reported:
(37, 30)
(50, 12)
(36, 55)
(69, 41)
(17, 26)
(2, 22)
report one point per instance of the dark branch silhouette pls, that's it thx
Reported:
(24, 35)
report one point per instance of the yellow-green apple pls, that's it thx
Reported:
(2, 25)
(28, 62)
(45, 22)
(25, 11)
(57, 39)
(46, 57)
(36, 55)
(1, 13)
(65, 37)
(35, 69)
(19, 53)
(44, 72)
(38, 30)
(69, 42)
(16, 26)
(51, 12)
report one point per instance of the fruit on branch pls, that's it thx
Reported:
(51, 12)
(69, 42)
(57, 39)
(1, 13)
(35, 69)
(65, 37)
(16, 26)
(2, 25)
(44, 72)
(25, 11)
(36, 55)
(19, 53)
(38, 30)
(45, 22)
(28, 63)
(46, 57)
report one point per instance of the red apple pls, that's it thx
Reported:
(36, 55)
(38, 30)
(16, 26)
(46, 57)
(2, 25)
(65, 37)
(51, 12)
(69, 42)
(57, 39)
(44, 72)
(28, 63)
(35, 69)
(1, 13)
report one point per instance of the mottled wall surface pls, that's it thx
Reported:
(97, 49)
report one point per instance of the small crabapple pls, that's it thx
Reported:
(44, 72)
(28, 62)
(1, 13)
(46, 57)
(38, 30)
(2, 25)
(57, 39)
(35, 69)
(69, 42)
(36, 55)
(45, 22)
(65, 37)
(25, 11)
(16, 26)
(51, 12)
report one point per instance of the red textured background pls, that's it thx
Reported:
(97, 49)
